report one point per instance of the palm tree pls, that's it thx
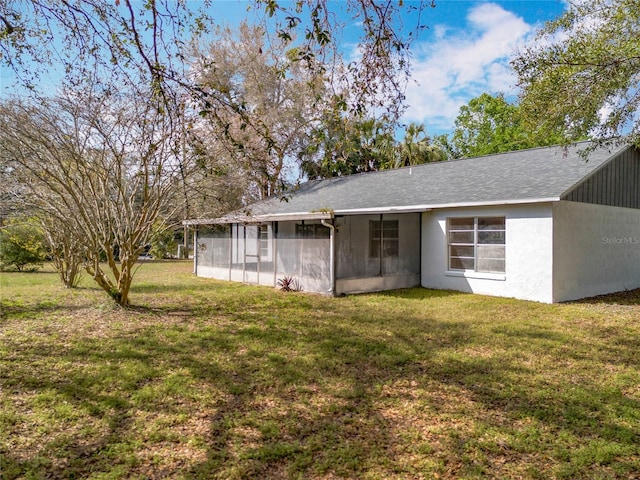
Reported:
(417, 148)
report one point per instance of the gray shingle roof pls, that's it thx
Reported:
(540, 174)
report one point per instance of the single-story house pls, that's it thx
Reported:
(544, 224)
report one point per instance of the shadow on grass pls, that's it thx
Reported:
(626, 297)
(10, 309)
(310, 395)
(419, 293)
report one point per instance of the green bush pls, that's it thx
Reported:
(163, 244)
(21, 246)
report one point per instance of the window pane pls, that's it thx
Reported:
(491, 251)
(491, 223)
(390, 229)
(461, 237)
(385, 232)
(460, 251)
(488, 254)
(491, 259)
(458, 263)
(374, 238)
(491, 237)
(374, 229)
(322, 231)
(374, 248)
(490, 265)
(264, 241)
(461, 223)
(390, 247)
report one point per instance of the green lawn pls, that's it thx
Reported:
(206, 379)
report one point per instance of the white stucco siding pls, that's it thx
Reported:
(597, 250)
(528, 253)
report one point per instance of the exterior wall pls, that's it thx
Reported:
(597, 250)
(528, 253)
(616, 184)
(359, 270)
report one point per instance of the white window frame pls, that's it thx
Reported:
(475, 244)
(265, 241)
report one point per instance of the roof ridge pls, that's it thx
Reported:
(444, 162)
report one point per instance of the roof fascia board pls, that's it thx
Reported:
(426, 208)
(276, 217)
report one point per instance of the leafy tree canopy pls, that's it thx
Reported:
(490, 124)
(345, 146)
(582, 74)
(21, 244)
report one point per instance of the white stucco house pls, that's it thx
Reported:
(542, 224)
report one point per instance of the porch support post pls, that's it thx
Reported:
(244, 253)
(274, 251)
(230, 249)
(195, 250)
(381, 243)
(332, 255)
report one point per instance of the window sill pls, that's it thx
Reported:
(469, 274)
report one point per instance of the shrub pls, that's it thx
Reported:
(289, 284)
(163, 244)
(21, 245)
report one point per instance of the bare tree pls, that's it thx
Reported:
(66, 252)
(101, 168)
(127, 42)
(258, 104)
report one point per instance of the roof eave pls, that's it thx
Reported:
(274, 217)
(436, 206)
(283, 217)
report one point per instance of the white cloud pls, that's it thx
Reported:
(461, 64)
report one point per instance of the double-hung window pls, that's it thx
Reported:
(263, 236)
(477, 244)
(383, 236)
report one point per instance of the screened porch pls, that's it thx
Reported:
(264, 253)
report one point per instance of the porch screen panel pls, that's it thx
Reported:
(358, 246)
(265, 251)
(287, 250)
(401, 244)
(315, 244)
(220, 246)
(251, 248)
(237, 253)
(205, 247)
(303, 252)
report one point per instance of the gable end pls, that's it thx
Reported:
(616, 183)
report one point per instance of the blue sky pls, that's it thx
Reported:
(466, 52)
